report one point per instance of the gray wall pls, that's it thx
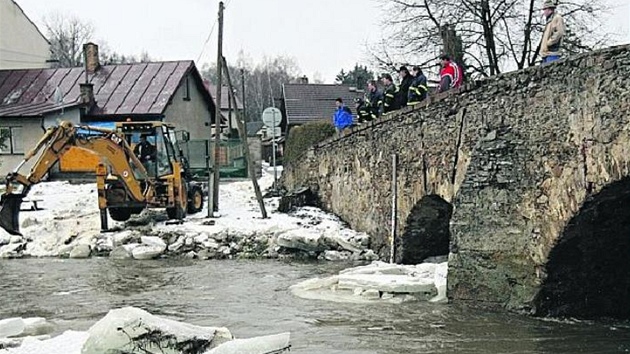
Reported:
(192, 115)
(516, 155)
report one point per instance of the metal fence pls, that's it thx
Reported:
(231, 159)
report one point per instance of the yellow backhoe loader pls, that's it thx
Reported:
(128, 179)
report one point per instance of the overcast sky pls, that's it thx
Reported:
(323, 36)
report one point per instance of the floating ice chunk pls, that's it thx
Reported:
(11, 327)
(386, 283)
(70, 342)
(260, 345)
(130, 329)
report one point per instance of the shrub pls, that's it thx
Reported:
(301, 138)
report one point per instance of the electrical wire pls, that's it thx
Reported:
(203, 48)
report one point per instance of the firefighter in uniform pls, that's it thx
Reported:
(418, 90)
(389, 94)
(373, 100)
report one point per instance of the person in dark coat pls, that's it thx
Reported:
(363, 111)
(373, 99)
(389, 94)
(418, 89)
(144, 150)
(146, 153)
(403, 88)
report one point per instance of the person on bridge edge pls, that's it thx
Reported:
(551, 42)
(389, 99)
(362, 111)
(418, 89)
(373, 99)
(451, 75)
(342, 118)
(403, 89)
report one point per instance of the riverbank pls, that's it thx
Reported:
(67, 225)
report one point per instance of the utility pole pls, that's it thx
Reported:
(242, 131)
(213, 200)
(245, 118)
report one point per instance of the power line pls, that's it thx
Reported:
(23, 61)
(203, 48)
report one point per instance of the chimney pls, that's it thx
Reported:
(87, 93)
(304, 80)
(90, 51)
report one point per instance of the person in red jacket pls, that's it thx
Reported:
(451, 74)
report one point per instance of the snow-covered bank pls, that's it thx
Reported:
(132, 330)
(380, 282)
(69, 226)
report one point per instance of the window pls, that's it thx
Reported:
(11, 140)
(186, 89)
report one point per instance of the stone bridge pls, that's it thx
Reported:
(523, 177)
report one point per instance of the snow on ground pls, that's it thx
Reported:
(69, 225)
(380, 282)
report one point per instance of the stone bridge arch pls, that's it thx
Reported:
(588, 270)
(519, 157)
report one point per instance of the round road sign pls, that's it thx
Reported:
(272, 117)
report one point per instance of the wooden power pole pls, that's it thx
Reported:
(242, 132)
(213, 199)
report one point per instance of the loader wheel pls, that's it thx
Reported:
(176, 212)
(195, 200)
(120, 214)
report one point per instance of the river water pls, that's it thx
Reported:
(251, 298)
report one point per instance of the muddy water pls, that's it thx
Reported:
(251, 299)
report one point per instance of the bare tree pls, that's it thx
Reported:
(496, 35)
(263, 82)
(67, 36)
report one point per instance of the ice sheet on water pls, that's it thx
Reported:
(379, 282)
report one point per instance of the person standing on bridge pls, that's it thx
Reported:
(342, 119)
(451, 75)
(418, 90)
(389, 100)
(373, 99)
(551, 42)
(403, 89)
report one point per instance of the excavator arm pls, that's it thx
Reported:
(111, 146)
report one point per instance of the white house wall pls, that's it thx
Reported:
(22, 45)
(32, 131)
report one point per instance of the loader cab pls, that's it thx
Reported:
(153, 145)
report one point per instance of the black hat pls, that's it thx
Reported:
(403, 68)
(444, 56)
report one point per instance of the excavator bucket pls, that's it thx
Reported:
(10, 212)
